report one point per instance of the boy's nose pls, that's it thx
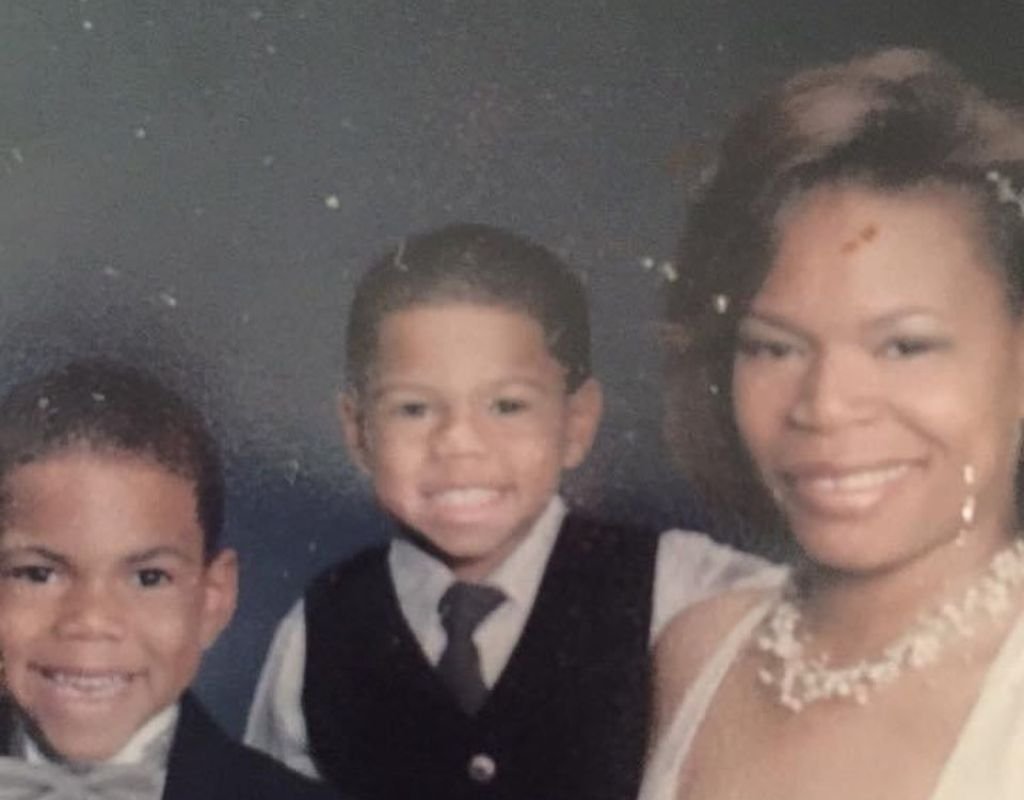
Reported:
(91, 610)
(458, 433)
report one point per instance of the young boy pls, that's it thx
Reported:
(112, 583)
(498, 646)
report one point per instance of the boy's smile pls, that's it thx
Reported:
(106, 602)
(465, 426)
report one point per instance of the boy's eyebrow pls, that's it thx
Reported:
(7, 552)
(413, 387)
(159, 551)
(387, 388)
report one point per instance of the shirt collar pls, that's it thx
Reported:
(420, 579)
(151, 741)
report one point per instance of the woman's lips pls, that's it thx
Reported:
(842, 491)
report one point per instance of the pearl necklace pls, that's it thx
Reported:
(802, 679)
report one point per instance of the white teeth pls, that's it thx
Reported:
(857, 481)
(88, 683)
(464, 498)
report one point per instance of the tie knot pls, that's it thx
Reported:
(466, 605)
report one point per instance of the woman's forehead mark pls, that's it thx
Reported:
(863, 236)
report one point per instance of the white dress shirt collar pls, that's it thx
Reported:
(155, 734)
(420, 580)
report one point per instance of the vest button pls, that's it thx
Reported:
(481, 768)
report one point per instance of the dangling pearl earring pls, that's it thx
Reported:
(968, 507)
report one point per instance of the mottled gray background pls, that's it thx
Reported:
(194, 184)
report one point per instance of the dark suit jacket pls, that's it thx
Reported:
(204, 764)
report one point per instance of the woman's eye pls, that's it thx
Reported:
(764, 348)
(909, 347)
(151, 576)
(30, 573)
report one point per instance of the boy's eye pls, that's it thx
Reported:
(410, 409)
(151, 576)
(509, 405)
(30, 573)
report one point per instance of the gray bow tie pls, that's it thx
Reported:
(20, 780)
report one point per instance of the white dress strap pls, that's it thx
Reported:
(988, 759)
(662, 771)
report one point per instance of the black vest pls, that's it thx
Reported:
(567, 719)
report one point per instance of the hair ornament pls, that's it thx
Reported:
(665, 270)
(1005, 192)
(720, 302)
(398, 261)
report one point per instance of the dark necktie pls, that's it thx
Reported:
(462, 608)
(20, 780)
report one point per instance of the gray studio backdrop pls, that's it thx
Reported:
(193, 185)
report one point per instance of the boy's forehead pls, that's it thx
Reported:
(82, 499)
(485, 340)
(463, 322)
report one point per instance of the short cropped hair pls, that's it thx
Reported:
(476, 264)
(896, 120)
(108, 407)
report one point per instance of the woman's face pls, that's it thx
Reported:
(878, 361)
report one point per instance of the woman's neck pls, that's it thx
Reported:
(853, 615)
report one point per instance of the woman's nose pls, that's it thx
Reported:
(836, 390)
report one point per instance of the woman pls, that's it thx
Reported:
(851, 290)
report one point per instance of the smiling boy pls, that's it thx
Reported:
(112, 584)
(498, 645)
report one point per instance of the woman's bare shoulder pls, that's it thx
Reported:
(690, 640)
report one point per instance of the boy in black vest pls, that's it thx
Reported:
(497, 647)
(112, 583)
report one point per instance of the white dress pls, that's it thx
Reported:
(987, 761)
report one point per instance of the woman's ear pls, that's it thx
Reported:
(585, 406)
